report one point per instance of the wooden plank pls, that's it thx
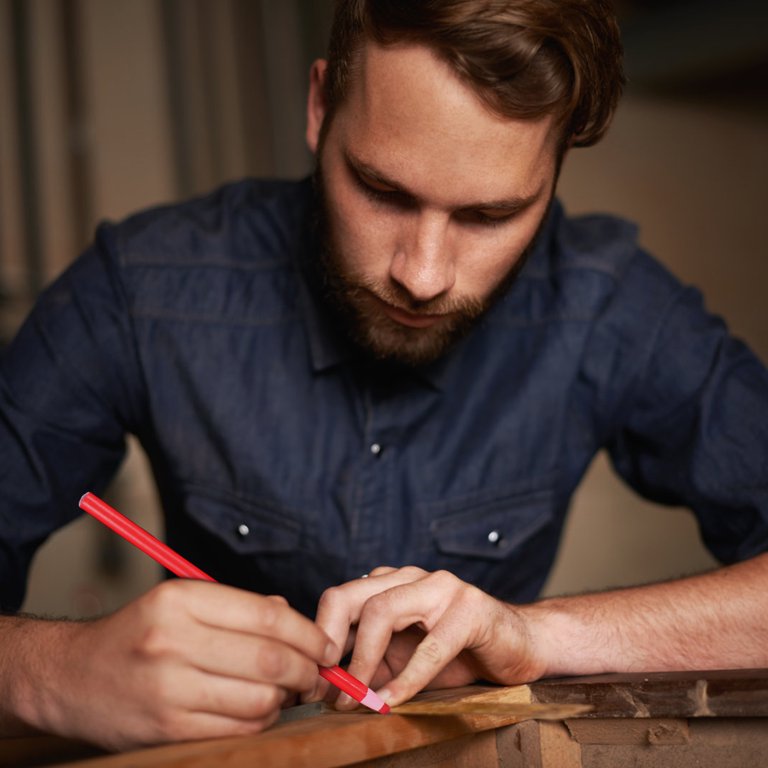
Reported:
(478, 700)
(323, 741)
(475, 751)
(722, 693)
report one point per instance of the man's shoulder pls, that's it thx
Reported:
(582, 267)
(243, 223)
(594, 258)
(230, 256)
(597, 243)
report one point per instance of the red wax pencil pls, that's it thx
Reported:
(178, 565)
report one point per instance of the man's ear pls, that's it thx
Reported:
(316, 103)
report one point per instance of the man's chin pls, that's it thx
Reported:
(399, 344)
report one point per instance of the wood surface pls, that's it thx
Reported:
(321, 740)
(720, 693)
(675, 713)
(515, 701)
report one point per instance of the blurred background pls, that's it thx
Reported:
(107, 106)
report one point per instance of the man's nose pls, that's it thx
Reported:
(423, 263)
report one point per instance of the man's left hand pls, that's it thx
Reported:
(409, 629)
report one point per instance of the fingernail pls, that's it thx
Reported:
(330, 654)
(384, 694)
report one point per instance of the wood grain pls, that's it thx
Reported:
(719, 693)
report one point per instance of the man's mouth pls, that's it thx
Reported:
(404, 317)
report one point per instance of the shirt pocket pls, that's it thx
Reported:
(494, 529)
(502, 541)
(246, 527)
(253, 544)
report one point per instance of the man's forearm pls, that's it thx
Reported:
(713, 620)
(26, 645)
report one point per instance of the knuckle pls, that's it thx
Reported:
(269, 614)
(278, 599)
(430, 652)
(467, 595)
(266, 700)
(154, 643)
(443, 578)
(330, 596)
(272, 662)
(258, 722)
(377, 607)
(413, 571)
(164, 601)
(169, 726)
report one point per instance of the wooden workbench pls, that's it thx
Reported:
(717, 719)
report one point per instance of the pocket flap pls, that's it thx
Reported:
(494, 529)
(247, 527)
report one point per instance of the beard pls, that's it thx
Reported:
(356, 302)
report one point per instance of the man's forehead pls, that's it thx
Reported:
(408, 114)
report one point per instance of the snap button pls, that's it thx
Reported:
(376, 449)
(243, 530)
(494, 537)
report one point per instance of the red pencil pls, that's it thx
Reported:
(178, 565)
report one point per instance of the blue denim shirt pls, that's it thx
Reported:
(284, 466)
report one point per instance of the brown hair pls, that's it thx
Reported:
(524, 58)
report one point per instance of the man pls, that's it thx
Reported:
(408, 366)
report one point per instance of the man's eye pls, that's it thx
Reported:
(483, 218)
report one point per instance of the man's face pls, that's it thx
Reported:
(429, 201)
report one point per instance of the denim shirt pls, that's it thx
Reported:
(285, 466)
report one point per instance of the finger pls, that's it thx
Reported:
(252, 658)
(340, 607)
(278, 599)
(387, 612)
(441, 604)
(431, 656)
(351, 639)
(382, 570)
(234, 698)
(175, 699)
(459, 620)
(185, 726)
(226, 607)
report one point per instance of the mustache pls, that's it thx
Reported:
(398, 297)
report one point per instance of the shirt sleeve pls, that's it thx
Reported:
(69, 387)
(685, 408)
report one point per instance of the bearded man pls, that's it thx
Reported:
(400, 368)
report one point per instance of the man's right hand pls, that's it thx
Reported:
(187, 660)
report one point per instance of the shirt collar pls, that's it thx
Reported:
(327, 345)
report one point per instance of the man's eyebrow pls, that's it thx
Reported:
(508, 205)
(363, 169)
